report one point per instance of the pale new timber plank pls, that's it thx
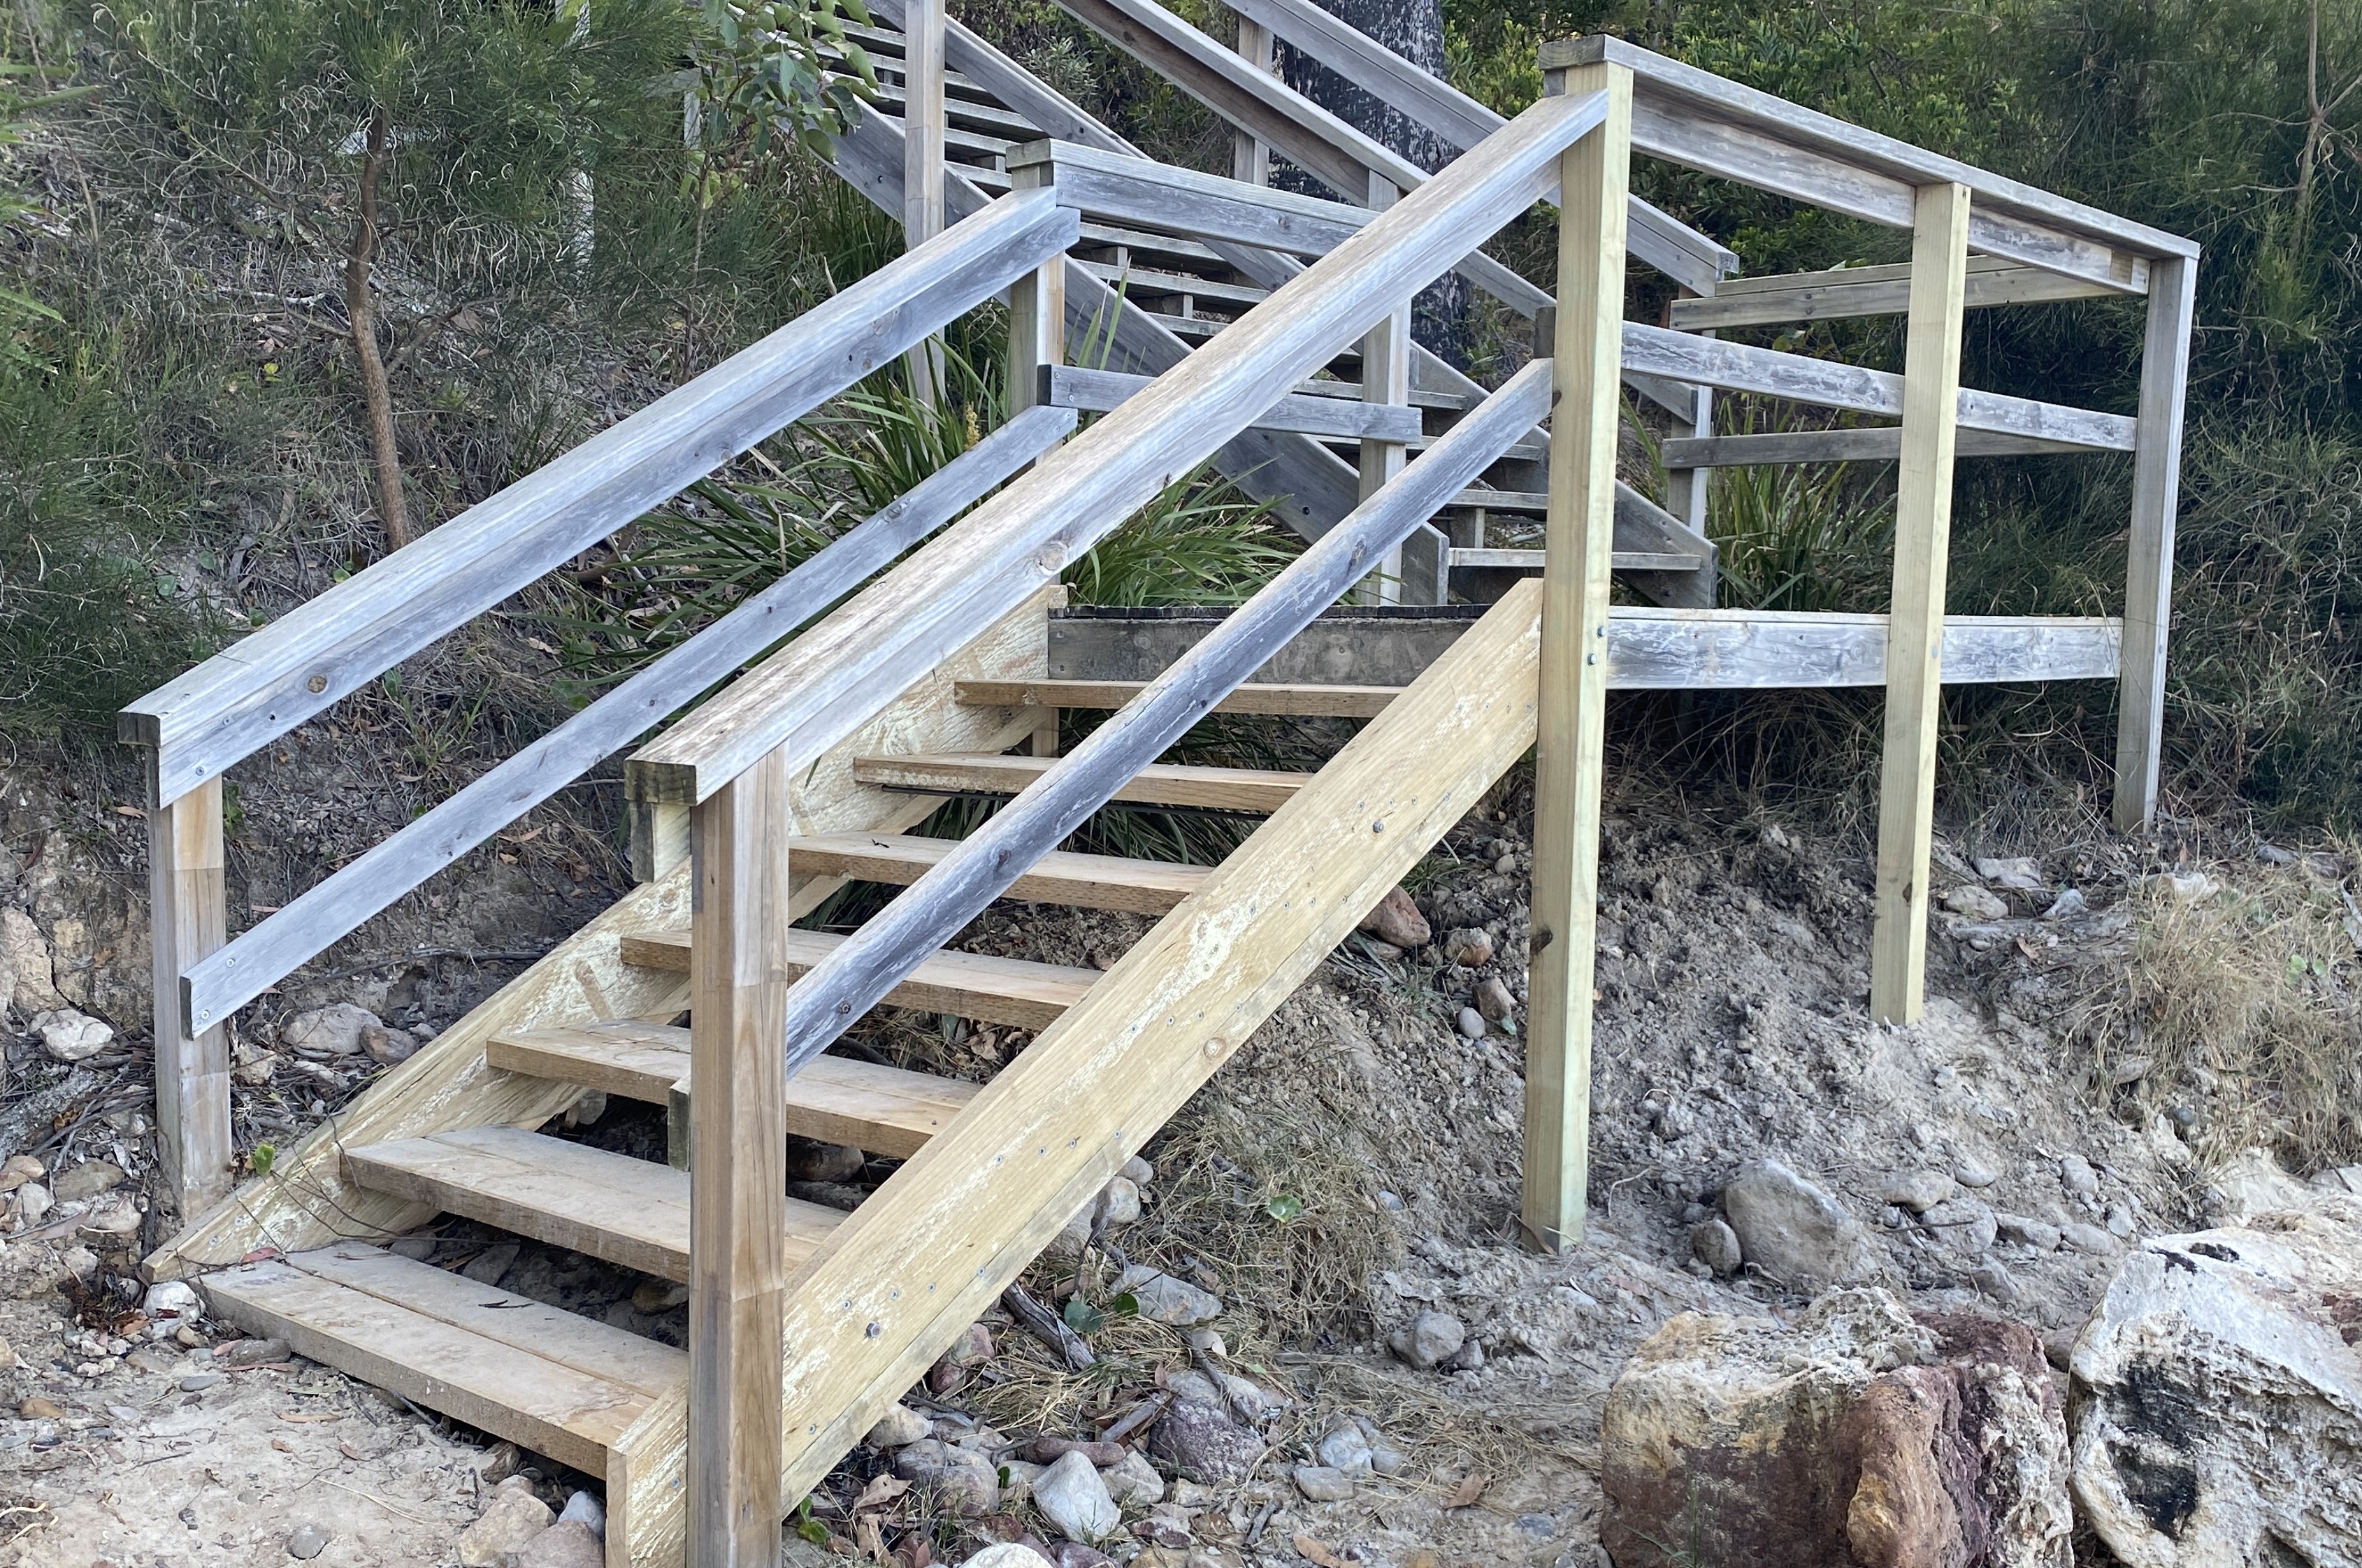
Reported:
(1160, 784)
(1570, 745)
(186, 863)
(1086, 881)
(1014, 992)
(1317, 701)
(2148, 568)
(836, 1099)
(633, 1212)
(543, 1405)
(1914, 645)
(936, 1246)
(306, 1200)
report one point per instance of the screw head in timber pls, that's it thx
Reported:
(872, 1330)
(316, 685)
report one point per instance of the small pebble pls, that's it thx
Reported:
(1322, 1483)
(308, 1542)
(1471, 1024)
(198, 1382)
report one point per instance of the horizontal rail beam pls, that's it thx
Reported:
(872, 961)
(1696, 261)
(1737, 367)
(1845, 292)
(810, 694)
(1680, 650)
(219, 985)
(293, 668)
(1873, 444)
(1710, 123)
(1099, 392)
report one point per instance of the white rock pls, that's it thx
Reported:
(1347, 1449)
(1323, 1484)
(1791, 1230)
(1428, 1339)
(514, 1517)
(70, 1037)
(1019, 1487)
(1132, 1480)
(1471, 1023)
(336, 1029)
(2067, 905)
(2184, 888)
(1976, 902)
(2022, 873)
(2039, 1234)
(1970, 1172)
(2219, 1402)
(1138, 1172)
(1165, 1299)
(2088, 1239)
(1005, 1554)
(1716, 1246)
(1119, 1204)
(585, 1508)
(33, 1203)
(898, 1428)
(2075, 1174)
(24, 958)
(1917, 1190)
(1071, 1496)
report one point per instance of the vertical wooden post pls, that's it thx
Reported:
(1686, 488)
(738, 1174)
(1250, 159)
(1037, 310)
(2149, 576)
(189, 921)
(1386, 378)
(1580, 535)
(1914, 635)
(923, 157)
(659, 839)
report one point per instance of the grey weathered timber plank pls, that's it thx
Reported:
(1144, 193)
(1245, 790)
(1532, 560)
(2020, 221)
(216, 987)
(1695, 260)
(294, 668)
(1738, 367)
(1300, 701)
(1861, 445)
(1158, 284)
(1311, 487)
(1101, 391)
(812, 692)
(871, 962)
(1845, 292)
(2148, 567)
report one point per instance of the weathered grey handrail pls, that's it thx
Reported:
(292, 669)
(219, 985)
(806, 697)
(1696, 261)
(931, 911)
(1339, 418)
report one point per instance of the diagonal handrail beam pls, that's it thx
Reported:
(868, 964)
(219, 985)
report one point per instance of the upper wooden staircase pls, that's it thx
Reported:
(1225, 321)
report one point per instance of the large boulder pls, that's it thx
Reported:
(1859, 1437)
(2218, 1396)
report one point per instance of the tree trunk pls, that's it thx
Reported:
(361, 312)
(1413, 29)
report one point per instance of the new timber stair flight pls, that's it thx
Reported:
(790, 758)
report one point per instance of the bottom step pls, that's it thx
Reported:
(548, 1380)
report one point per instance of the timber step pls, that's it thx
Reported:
(967, 985)
(1247, 790)
(836, 1099)
(1300, 699)
(628, 1211)
(1084, 882)
(552, 1381)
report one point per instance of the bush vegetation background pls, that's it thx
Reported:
(180, 454)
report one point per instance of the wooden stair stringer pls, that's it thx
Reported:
(307, 1200)
(895, 1285)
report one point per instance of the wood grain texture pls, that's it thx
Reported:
(2148, 568)
(1072, 386)
(1248, 789)
(1868, 444)
(738, 1265)
(1037, 317)
(1923, 532)
(1845, 292)
(1250, 159)
(1302, 700)
(298, 665)
(306, 1201)
(1014, 992)
(189, 921)
(1571, 717)
(1084, 882)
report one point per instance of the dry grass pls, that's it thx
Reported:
(2247, 1009)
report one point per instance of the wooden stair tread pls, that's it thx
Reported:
(969, 985)
(1086, 881)
(1160, 784)
(1623, 560)
(837, 1100)
(1295, 697)
(628, 1211)
(559, 1383)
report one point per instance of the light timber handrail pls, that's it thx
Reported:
(931, 910)
(1710, 123)
(1841, 291)
(1344, 418)
(295, 668)
(1696, 261)
(1739, 367)
(1021, 539)
(1852, 443)
(217, 985)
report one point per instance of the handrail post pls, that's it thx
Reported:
(1914, 636)
(1250, 158)
(1580, 533)
(2148, 569)
(1386, 378)
(737, 1285)
(922, 161)
(660, 832)
(187, 907)
(1037, 343)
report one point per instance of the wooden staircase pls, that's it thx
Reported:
(793, 755)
